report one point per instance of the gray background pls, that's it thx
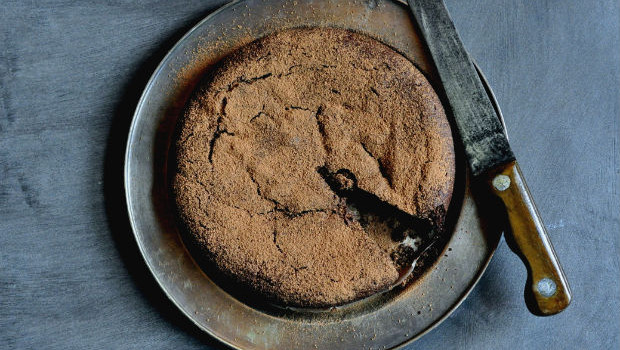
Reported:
(70, 76)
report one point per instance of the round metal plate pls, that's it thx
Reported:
(383, 321)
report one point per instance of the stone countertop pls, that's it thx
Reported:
(71, 73)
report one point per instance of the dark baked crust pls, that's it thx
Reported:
(255, 133)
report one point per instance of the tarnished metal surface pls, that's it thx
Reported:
(382, 321)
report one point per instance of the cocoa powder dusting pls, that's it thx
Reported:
(267, 131)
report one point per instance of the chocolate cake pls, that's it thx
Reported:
(287, 148)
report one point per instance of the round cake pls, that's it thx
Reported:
(289, 146)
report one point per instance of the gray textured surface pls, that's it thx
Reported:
(70, 76)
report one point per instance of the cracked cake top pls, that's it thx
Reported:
(261, 132)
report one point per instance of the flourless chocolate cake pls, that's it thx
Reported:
(279, 140)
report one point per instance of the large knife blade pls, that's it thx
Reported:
(490, 158)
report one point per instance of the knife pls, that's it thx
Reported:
(490, 158)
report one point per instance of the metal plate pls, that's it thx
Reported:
(382, 321)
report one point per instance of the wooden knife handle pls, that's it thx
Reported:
(547, 291)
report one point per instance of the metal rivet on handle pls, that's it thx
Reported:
(546, 287)
(501, 182)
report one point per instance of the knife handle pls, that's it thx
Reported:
(546, 291)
